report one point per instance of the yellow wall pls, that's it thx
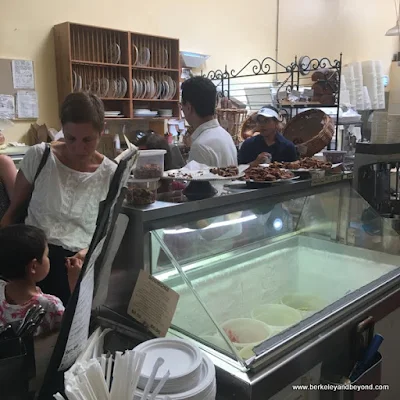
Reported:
(231, 32)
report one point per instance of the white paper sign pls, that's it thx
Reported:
(7, 106)
(22, 72)
(79, 331)
(27, 104)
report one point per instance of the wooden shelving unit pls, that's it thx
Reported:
(117, 66)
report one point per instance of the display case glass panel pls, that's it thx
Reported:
(250, 277)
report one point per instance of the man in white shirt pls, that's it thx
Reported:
(211, 144)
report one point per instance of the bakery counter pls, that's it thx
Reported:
(272, 282)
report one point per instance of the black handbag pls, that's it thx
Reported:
(23, 213)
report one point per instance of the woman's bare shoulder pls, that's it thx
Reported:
(6, 161)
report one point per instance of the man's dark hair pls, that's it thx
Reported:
(201, 93)
(19, 245)
(82, 108)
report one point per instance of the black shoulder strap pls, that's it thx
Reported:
(43, 161)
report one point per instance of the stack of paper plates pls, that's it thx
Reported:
(192, 374)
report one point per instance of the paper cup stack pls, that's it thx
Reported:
(344, 92)
(192, 374)
(348, 74)
(379, 127)
(359, 86)
(371, 83)
(380, 86)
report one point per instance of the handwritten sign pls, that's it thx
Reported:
(153, 304)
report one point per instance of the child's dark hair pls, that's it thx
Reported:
(19, 245)
(81, 108)
(152, 141)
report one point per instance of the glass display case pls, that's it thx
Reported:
(262, 280)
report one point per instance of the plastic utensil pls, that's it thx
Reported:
(149, 385)
(160, 385)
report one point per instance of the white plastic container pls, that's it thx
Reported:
(150, 164)
(307, 304)
(277, 316)
(245, 332)
(142, 191)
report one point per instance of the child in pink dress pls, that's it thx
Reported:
(23, 263)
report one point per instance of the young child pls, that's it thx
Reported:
(23, 263)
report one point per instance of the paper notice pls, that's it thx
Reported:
(27, 104)
(153, 304)
(22, 72)
(7, 106)
(79, 331)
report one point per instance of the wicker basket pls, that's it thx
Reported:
(231, 119)
(311, 131)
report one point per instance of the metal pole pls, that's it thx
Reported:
(277, 39)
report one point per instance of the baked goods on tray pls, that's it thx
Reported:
(304, 163)
(267, 174)
(225, 172)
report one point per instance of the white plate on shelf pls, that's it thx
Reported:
(135, 54)
(79, 84)
(74, 81)
(104, 87)
(144, 57)
(124, 86)
(114, 53)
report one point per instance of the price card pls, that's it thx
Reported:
(153, 304)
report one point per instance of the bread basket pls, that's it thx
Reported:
(311, 131)
(231, 119)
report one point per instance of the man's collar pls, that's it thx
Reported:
(207, 125)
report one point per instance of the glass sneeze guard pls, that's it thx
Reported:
(243, 278)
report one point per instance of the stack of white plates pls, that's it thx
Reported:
(393, 129)
(165, 113)
(144, 113)
(113, 114)
(379, 127)
(192, 374)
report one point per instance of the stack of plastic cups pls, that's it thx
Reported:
(380, 85)
(348, 73)
(358, 81)
(379, 127)
(367, 99)
(344, 92)
(370, 81)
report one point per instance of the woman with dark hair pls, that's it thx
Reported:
(269, 144)
(66, 194)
